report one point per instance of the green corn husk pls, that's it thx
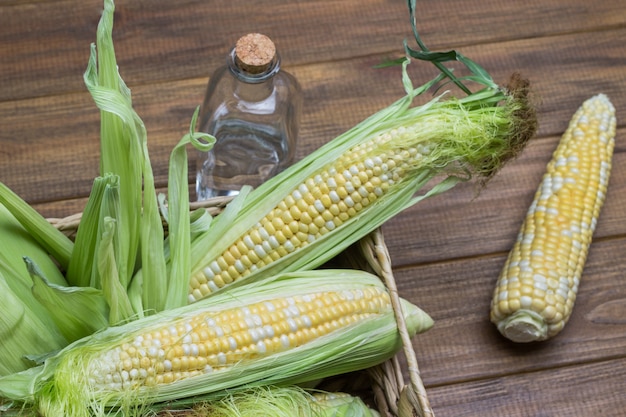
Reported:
(62, 385)
(138, 239)
(26, 328)
(81, 270)
(77, 311)
(25, 332)
(49, 238)
(95, 283)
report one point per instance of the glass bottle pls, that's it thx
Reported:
(252, 107)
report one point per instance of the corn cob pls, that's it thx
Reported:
(291, 329)
(535, 293)
(214, 341)
(359, 180)
(315, 207)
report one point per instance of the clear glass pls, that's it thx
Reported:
(255, 119)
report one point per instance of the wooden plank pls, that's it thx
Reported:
(156, 40)
(161, 40)
(464, 345)
(577, 391)
(44, 154)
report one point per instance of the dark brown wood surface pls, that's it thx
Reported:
(446, 251)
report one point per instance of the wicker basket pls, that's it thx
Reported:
(390, 388)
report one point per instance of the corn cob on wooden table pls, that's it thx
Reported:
(446, 252)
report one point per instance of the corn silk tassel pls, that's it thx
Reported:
(289, 401)
(295, 328)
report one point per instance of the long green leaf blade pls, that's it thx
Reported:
(120, 307)
(80, 269)
(179, 217)
(54, 241)
(24, 330)
(77, 311)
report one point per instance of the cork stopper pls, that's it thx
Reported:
(254, 53)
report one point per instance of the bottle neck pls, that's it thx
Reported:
(254, 75)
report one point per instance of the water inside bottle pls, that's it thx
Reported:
(244, 153)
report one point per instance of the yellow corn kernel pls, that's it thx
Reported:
(537, 287)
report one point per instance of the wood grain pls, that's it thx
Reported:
(578, 391)
(335, 100)
(163, 40)
(446, 251)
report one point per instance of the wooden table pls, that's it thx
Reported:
(446, 251)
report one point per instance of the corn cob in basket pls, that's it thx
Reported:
(385, 383)
(296, 328)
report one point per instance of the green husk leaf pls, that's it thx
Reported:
(52, 240)
(125, 153)
(108, 224)
(179, 238)
(135, 295)
(25, 329)
(19, 387)
(77, 311)
(200, 222)
(114, 293)
(120, 149)
(17, 243)
(481, 76)
(152, 256)
(81, 270)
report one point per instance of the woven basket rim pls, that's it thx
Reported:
(393, 397)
